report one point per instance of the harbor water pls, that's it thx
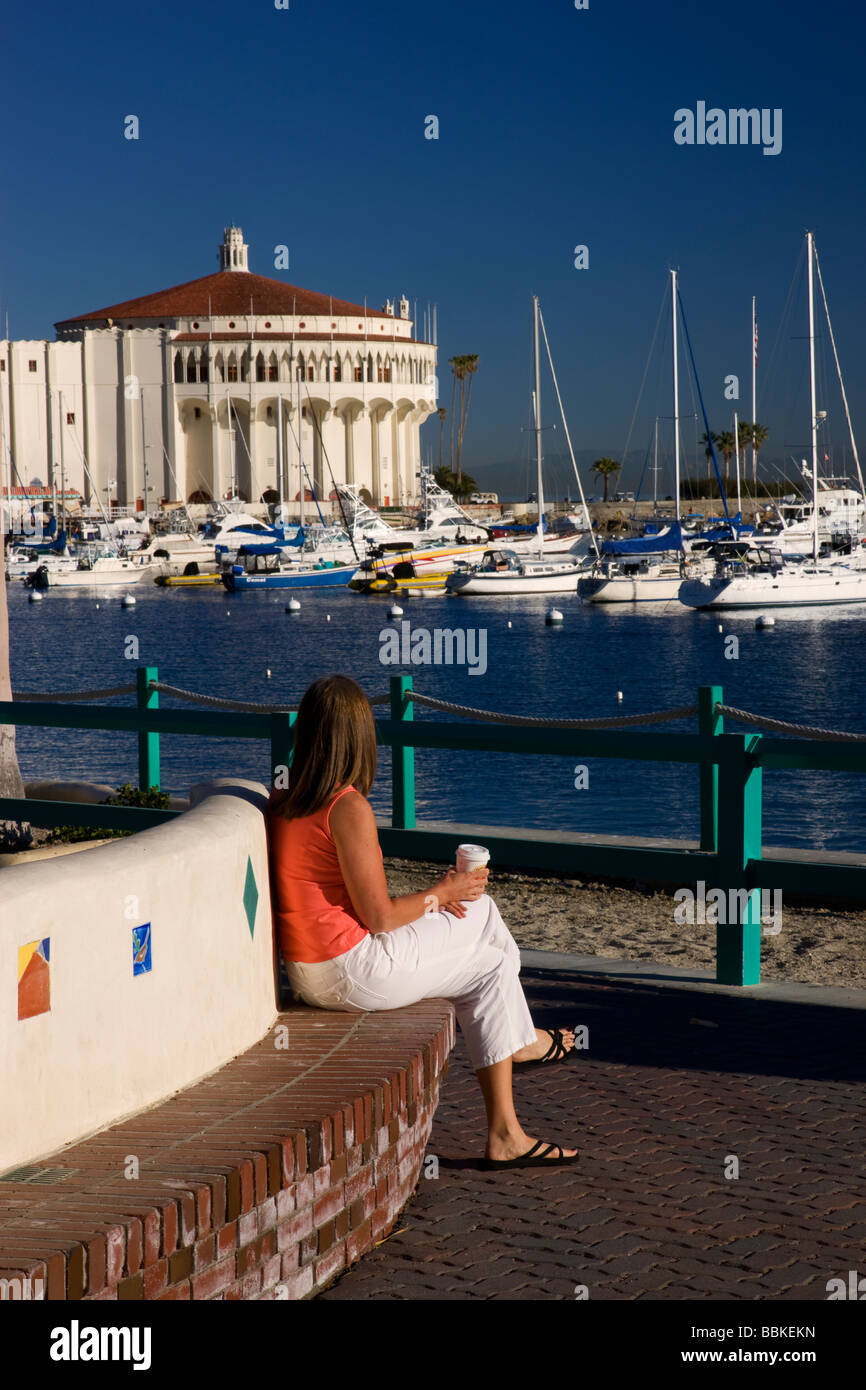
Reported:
(809, 668)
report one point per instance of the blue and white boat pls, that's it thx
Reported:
(265, 567)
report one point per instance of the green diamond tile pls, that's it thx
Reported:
(251, 896)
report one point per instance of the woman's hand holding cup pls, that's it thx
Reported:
(466, 883)
(456, 889)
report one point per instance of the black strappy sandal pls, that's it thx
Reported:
(557, 1052)
(540, 1160)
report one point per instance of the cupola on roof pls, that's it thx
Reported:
(233, 290)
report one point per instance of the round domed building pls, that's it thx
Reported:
(180, 394)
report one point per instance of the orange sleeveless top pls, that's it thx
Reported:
(313, 913)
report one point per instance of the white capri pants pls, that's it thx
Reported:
(473, 961)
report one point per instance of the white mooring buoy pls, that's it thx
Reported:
(395, 611)
(127, 601)
(293, 606)
(764, 620)
(619, 696)
(721, 629)
(35, 596)
(327, 617)
(553, 617)
(268, 672)
(509, 622)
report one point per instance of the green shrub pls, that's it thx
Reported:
(127, 795)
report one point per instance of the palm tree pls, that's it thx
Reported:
(727, 446)
(470, 363)
(757, 436)
(458, 487)
(606, 468)
(744, 436)
(442, 413)
(708, 440)
(13, 834)
(463, 366)
(456, 375)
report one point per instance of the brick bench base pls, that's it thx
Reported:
(266, 1180)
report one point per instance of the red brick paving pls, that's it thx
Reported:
(656, 1104)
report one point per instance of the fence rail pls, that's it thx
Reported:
(727, 854)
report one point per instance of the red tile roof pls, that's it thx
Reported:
(229, 292)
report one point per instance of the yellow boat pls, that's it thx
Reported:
(398, 572)
(187, 581)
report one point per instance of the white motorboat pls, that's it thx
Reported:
(20, 562)
(96, 568)
(441, 521)
(841, 520)
(175, 553)
(442, 518)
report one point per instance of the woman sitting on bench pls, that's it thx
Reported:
(349, 945)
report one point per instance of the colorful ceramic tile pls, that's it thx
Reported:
(34, 976)
(251, 897)
(141, 961)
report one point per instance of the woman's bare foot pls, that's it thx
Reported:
(535, 1051)
(516, 1143)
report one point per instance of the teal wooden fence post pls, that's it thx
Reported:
(710, 724)
(402, 760)
(282, 747)
(148, 743)
(738, 939)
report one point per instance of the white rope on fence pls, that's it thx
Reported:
(65, 696)
(217, 702)
(625, 721)
(529, 721)
(780, 726)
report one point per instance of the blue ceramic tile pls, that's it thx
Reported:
(141, 958)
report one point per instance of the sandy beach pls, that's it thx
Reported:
(816, 945)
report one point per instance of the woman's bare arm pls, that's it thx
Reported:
(353, 827)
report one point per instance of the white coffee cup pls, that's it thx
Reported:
(471, 857)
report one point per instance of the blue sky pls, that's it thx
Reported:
(306, 127)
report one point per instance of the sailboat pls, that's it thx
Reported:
(646, 569)
(765, 578)
(506, 570)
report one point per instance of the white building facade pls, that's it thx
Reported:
(178, 396)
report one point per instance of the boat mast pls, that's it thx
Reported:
(300, 445)
(280, 452)
(143, 450)
(231, 459)
(50, 451)
(656, 467)
(737, 458)
(5, 469)
(676, 395)
(754, 398)
(810, 254)
(540, 493)
(62, 468)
